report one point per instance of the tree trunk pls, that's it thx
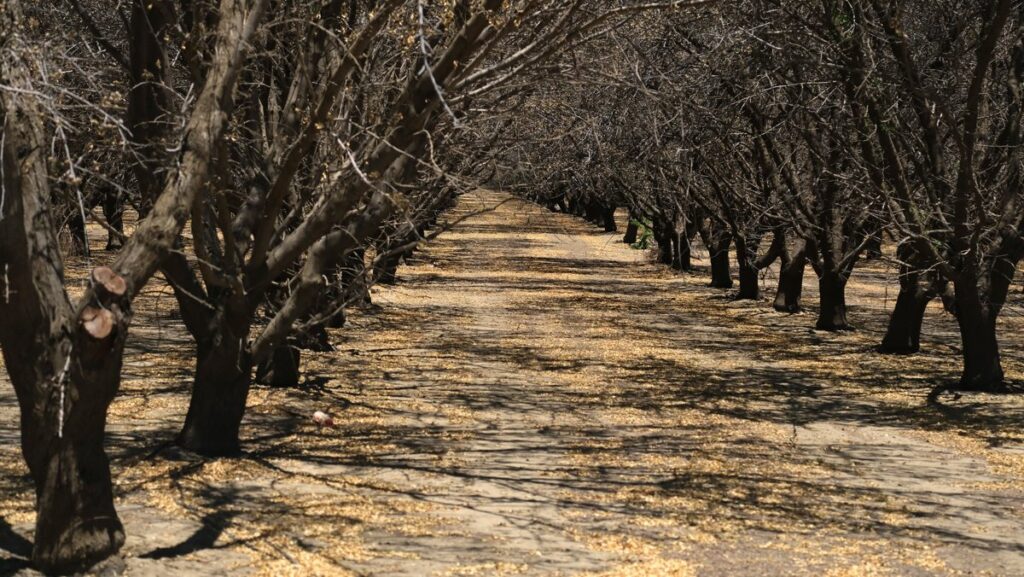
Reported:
(62, 442)
(746, 255)
(63, 361)
(983, 370)
(832, 293)
(664, 240)
(353, 279)
(873, 249)
(219, 391)
(281, 369)
(682, 255)
(609, 219)
(918, 286)
(76, 523)
(719, 254)
(113, 211)
(593, 212)
(632, 230)
(387, 273)
(903, 336)
(791, 279)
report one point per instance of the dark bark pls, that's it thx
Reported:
(982, 366)
(791, 278)
(632, 230)
(149, 96)
(353, 278)
(387, 270)
(873, 249)
(113, 212)
(903, 336)
(62, 443)
(980, 296)
(219, 391)
(746, 258)
(832, 293)
(593, 212)
(663, 236)
(281, 369)
(917, 288)
(608, 214)
(681, 252)
(717, 243)
(63, 361)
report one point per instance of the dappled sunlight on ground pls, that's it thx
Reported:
(535, 398)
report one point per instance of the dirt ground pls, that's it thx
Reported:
(536, 398)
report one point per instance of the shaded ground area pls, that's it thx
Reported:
(535, 398)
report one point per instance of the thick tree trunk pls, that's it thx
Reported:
(873, 249)
(903, 336)
(918, 286)
(281, 369)
(746, 255)
(76, 523)
(719, 255)
(387, 272)
(632, 230)
(832, 293)
(572, 205)
(608, 214)
(983, 369)
(219, 390)
(353, 280)
(791, 279)
(64, 362)
(113, 211)
(592, 212)
(663, 236)
(682, 254)
(63, 429)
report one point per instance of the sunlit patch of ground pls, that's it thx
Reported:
(535, 398)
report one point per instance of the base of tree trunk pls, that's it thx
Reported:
(664, 248)
(903, 335)
(986, 380)
(89, 544)
(682, 255)
(791, 280)
(388, 274)
(832, 312)
(983, 369)
(835, 325)
(215, 411)
(281, 370)
(609, 220)
(720, 277)
(787, 297)
(632, 231)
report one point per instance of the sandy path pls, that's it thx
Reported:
(535, 398)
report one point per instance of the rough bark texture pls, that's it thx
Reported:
(220, 388)
(791, 277)
(903, 335)
(746, 257)
(63, 361)
(718, 250)
(917, 289)
(832, 311)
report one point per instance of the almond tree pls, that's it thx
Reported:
(64, 357)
